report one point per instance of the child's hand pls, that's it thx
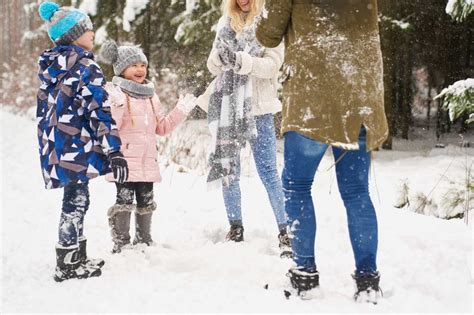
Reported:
(186, 103)
(116, 96)
(119, 166)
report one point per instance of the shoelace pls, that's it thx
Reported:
(234, 232)
(285, 240)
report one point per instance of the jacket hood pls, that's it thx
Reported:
(56, 62)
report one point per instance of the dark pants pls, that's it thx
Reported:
(75, 206)
(143, 191)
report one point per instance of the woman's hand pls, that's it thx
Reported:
(226, 55)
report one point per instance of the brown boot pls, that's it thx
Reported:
(119, 222)
(143, 225)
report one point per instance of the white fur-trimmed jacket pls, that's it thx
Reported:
(264, 73)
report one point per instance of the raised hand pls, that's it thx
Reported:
(187, 103)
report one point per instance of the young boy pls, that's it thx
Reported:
(77, 136)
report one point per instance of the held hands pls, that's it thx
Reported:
(119, 166)
(187, 103)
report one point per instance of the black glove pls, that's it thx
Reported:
(226, 55)
(119, 166)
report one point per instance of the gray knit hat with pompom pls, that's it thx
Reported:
(121, 57)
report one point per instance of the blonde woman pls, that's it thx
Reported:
(243, 99)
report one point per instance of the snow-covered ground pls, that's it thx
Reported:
(425, 262)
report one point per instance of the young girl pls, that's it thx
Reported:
(138, 115)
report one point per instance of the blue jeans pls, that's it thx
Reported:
(75, 206)
(264, 152)
(302, 158)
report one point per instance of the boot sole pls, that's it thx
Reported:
(95, 273)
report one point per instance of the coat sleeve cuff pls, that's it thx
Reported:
(246, 63)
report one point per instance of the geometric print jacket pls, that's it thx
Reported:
(76, 131)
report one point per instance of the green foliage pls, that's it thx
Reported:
(195, 36)
(460, 9)
(459, 99)
(197, 22)
(172, 35)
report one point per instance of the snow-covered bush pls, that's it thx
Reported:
(187, 146)
(459, 99)
(402, 195)
(456, 199)
(459, 9)
(448, 199)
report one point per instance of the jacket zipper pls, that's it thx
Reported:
(146, 140)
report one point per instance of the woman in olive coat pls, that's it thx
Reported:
(332, 96)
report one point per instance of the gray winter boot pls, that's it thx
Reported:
(143, 225)
(119, 222)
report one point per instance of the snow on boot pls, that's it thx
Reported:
(284, 244)
(93, 263)
(143, 225)
(119, 222)
(368, 289)
(303, 281)
(236, 233)
(69, 266)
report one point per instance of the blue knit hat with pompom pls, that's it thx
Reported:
(65, 24)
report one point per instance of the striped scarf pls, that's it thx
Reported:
(230, 108)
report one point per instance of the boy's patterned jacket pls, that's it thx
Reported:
(75, 128)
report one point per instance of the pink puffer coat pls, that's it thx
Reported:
(138, 122)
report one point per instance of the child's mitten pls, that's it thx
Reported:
(187, 103)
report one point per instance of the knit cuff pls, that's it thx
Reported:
(246, 63)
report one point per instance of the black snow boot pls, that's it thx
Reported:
(284, 244)
(95, 262)
(69, 265)
(368, 289)
(303, 280)
(236, 233)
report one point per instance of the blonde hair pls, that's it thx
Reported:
(231, 9)
(129, 108)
